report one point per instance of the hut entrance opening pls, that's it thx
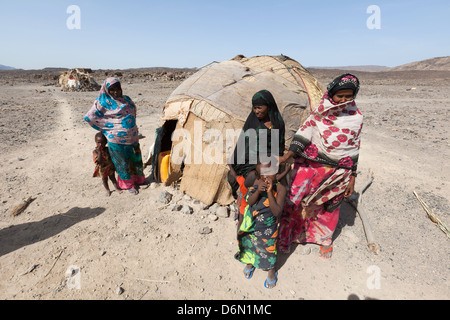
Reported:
(162, 150)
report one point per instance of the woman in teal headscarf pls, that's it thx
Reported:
(114, 114)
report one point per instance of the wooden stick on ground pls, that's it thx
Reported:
(373, 246)
(21, 207)
(56, 260)
(433, 216)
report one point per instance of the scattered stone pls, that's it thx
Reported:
(205, 230)
(102, 253)
(165, 197)
(187, 209)
(213, 208)
(153, 185)
(212, 217)
(305, 250)
(202, 205)
(175, 207)
(222, 212)
(119, 290)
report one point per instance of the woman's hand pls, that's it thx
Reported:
(285, 157)
(281, 159)
(350, 188)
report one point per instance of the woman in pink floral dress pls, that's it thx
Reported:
(326, 150)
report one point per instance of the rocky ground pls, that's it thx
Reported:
(72, 242)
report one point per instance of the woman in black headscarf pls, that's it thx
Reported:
(264, 120)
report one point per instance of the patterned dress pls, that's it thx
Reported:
(311, 211)
(116, 119)
(257, 237)
(104, 166)
(329, 141)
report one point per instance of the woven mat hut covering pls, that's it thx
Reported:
(219, 97)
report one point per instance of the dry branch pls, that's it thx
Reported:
(21, 207)
(373, 246)
(433, 216)
(56, 260)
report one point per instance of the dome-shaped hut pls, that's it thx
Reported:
(201, 115)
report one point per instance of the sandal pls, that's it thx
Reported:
(330, 249)
(267, 282)
(133, 191)
(249, 273)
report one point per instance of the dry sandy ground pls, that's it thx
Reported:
(132, 247)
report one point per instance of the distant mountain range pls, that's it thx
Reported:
(2, 67)
(435, 64)
(369, 68)
(438, 64)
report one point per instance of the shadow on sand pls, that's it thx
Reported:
(17, 236)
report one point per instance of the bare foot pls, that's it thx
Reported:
(108, 193)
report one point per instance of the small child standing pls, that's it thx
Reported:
(258, 232)
(104, 166)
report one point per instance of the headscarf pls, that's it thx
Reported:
(265, 98)
(115, 118)
(331, 133)
(345, 81)
(244, 165)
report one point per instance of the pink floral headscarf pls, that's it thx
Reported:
(331, 133)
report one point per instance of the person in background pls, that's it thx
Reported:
(114, 115)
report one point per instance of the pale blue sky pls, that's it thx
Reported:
(182, 33)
